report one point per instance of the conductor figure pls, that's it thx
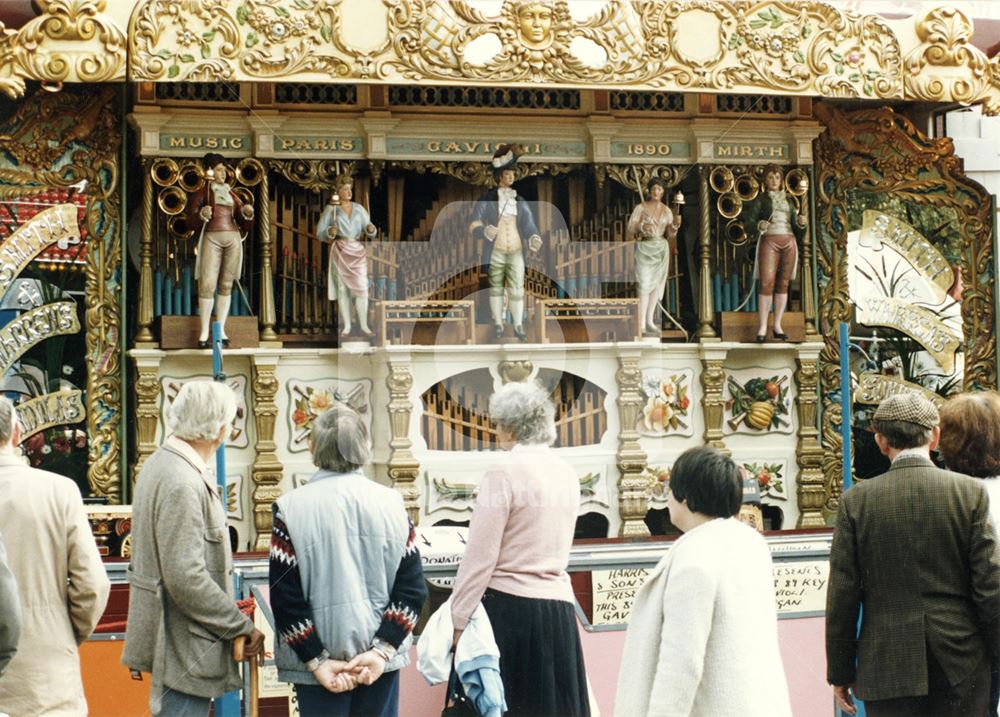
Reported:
(504, 221)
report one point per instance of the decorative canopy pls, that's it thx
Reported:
(789, 48)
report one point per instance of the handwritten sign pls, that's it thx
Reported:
(800, 586)
(614, 591)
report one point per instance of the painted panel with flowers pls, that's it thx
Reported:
(770, 476)
(667, 396)
(309, 399)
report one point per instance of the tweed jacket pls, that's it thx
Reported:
(702, 627)
(10, 612)
(182, 614)
(62, 587)
(914, 548)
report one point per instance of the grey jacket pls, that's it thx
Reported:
(10, 612)
(349, 535)
(182, 615)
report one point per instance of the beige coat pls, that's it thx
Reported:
(182, 614)
(62, 586)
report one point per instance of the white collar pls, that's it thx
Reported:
(506, 190)
(918, 452)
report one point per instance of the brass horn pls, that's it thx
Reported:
(746, 187)
(729, 205)
(164, 171)
(191, 177)
(249, 172)
(171, 201)
(736, 233)
(797, 182)
(721, 179)
(245, 195)
(177, 226)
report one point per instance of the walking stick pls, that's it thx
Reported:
(239, 644)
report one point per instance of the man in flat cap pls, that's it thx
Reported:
(915, 555)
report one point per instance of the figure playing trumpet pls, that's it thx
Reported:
(224, 221)
(773, 215)
(653, 224)
(343, 222)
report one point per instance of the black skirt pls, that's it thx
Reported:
(541, 661)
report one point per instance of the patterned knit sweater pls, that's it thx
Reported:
(293, 615)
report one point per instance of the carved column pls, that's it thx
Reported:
(147, 412)
(808, 293)
(267, 469)
(706, 309)
(713, 376)
(403, 467)
(268, 314)
(811, 491)
(145, 316)
(633, 487)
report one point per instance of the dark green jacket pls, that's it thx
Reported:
(760, 209)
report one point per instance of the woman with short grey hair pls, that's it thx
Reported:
(201, 410)
(345, 603)
(516, 557)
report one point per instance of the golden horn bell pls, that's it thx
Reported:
(191, 177)
(721, 179)
(746, 187)
(245, 195)
(177, 227)
(797, 182)
(729, 205)
(171, 200)
(249, 172)
(736, 233)
(164, 171)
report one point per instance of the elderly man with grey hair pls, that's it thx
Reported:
(61, 583)
(182, 615)
(515, 561)
(346, 581)
(914, 554)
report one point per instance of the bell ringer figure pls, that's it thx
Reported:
(653, 224)
(342, 222)
(504, 220)
(224, 221)
(773, 214)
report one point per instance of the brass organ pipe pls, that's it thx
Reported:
(164, 171)
(171, 201)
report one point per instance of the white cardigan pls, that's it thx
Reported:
(703, 637)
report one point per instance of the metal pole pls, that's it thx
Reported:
(845, 404)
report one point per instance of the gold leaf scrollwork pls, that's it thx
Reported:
(945, 34)
(481, 173)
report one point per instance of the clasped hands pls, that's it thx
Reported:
(343, 676)
(491, 231)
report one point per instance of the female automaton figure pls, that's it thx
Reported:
(224, 221)
(342, 222)
(652, 223)
(773, 214)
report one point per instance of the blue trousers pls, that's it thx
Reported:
(180, 704)
(378, 700)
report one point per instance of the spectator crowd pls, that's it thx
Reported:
(913, 602)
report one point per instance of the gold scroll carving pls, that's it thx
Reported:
(878, 151)
(147, 412)
(634, 486)
(713, 376)
(267, 469)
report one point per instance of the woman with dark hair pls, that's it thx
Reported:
(705, 620)
(652, 223)
(970, 441)
(220, 216)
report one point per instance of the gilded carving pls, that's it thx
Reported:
(517, 371)
(70, 41)
(403, 466)
(809, 453)
(267, 469)
(313, 174)
(147, 413)
(713, 378)
(481, 173)
(878, 151)
(634, 486)
(945, 34)
(635, 177)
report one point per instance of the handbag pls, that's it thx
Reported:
(456, 703)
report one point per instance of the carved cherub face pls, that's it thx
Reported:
(772, 180)
(535, 20)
